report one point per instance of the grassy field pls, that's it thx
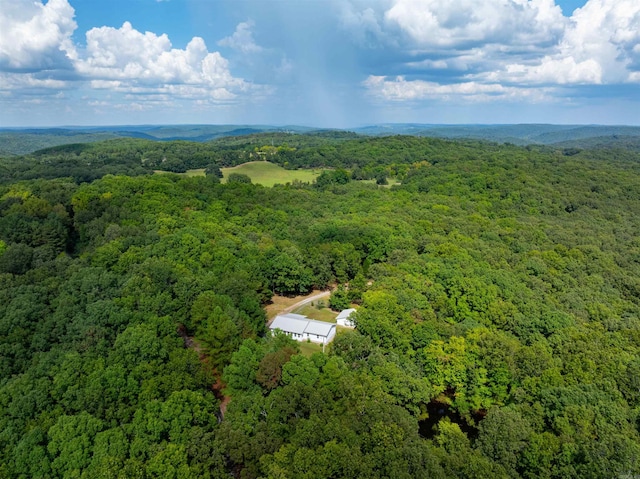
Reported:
(260, 172)
(196, 172)
(269, 174)
(324, 314)
(390, 182)
(307, 349)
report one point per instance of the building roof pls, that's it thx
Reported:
(319, 327)
(290, 323)
(298, 324)
(345, 313)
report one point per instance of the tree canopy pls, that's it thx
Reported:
(497, 328)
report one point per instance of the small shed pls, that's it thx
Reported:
(344, 318)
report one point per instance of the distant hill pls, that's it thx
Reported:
(603, 143)
(587, 133)
(23, 141)
(520, 134)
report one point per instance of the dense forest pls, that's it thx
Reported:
(498, 327)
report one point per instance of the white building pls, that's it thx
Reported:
(344, 318)
(301, 328)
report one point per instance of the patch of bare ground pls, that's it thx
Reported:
(286, 304)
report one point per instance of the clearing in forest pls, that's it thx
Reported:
(268, 174)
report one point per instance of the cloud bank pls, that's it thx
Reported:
(515, 49)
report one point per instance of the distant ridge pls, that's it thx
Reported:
(18, 141)
(520, 134)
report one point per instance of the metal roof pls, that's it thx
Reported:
(290, 324)
(298, 324)
(345, 313)
(319, 327)
(294, 316)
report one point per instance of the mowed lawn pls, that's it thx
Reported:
(324, 314)
(269, 174)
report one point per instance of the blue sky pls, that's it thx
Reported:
(327, 63)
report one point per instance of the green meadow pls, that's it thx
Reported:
(269, 174)
(261, 172)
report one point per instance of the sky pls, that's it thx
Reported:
(322, 63)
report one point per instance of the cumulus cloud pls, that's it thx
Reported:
(504, 48)
(128, 60)
(34, 36)
(29, 82)
(459, 23)
(601, 44)
(400, 89)
(558, 69)
(36, 46)
(363, 22)
(242, 39)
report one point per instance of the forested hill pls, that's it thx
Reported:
(20, 141)
(498, 329)
(364, 157)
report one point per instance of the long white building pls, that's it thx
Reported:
(301, 328)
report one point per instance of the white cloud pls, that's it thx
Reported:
(458, 23)
(34, 36)
(504, 49)
(601, 45)
(400, 89)
(562, 70)
(35, 45)
(126, 60)
(10, 81)
(127, 55)
(242, 39)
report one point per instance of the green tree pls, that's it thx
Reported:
(339, 298)
(238, 178)
(71, 442)
(16, 259)
(213, 170)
